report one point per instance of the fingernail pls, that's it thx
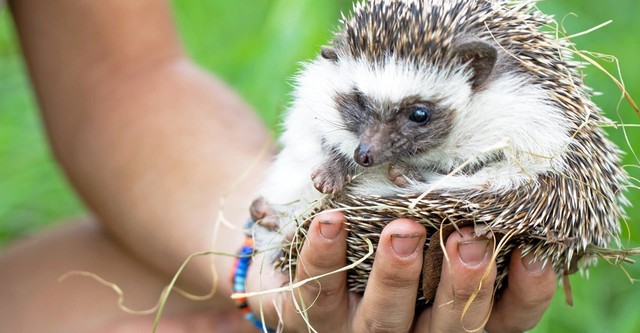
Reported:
(473, 252)
(404, 245)
(330, 230)
(532, 265)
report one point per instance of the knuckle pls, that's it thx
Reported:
(312, 287)
(315, 260)
(534, 299)
(478, 286)
(543, 297)
(466, 292)
(323, 291)
(379, 324)
(398, 278)
(321, 263)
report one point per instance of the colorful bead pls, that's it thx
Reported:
(239, 278)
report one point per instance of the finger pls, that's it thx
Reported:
(528, 294)
(324, 301)
(388, 303)
(263, 276)
(464, 296)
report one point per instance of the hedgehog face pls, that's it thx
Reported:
(391, 130)
(398, 109)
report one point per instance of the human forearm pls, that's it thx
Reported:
(150, 142)
(154, 157)
(74, 47)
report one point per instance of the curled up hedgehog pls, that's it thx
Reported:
(451, 113)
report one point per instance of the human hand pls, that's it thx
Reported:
(389, 299)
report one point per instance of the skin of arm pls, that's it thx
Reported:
(141, 132)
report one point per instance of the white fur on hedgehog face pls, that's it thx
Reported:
(507, 114)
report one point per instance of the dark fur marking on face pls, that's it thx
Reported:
(388, 129)
(355, 109)
(431, 135)
(423, 136)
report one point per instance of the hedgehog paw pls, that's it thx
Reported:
(328, 182)
(263, 214)
(402, 175)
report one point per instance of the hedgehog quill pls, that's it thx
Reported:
(451, 113)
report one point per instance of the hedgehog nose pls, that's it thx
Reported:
(363, 155)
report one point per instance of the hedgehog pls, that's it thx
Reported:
(451, 113)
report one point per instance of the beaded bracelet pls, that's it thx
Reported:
(239, 278)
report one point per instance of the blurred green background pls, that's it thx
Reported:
(256, 46)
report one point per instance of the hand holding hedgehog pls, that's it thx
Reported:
(388, 300)
(453, 114)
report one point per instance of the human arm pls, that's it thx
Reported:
(140, 131)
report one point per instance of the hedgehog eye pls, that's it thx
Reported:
(420, 115)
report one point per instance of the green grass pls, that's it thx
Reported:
(256, 46)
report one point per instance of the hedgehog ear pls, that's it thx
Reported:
(329, 53)
(481, 56)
